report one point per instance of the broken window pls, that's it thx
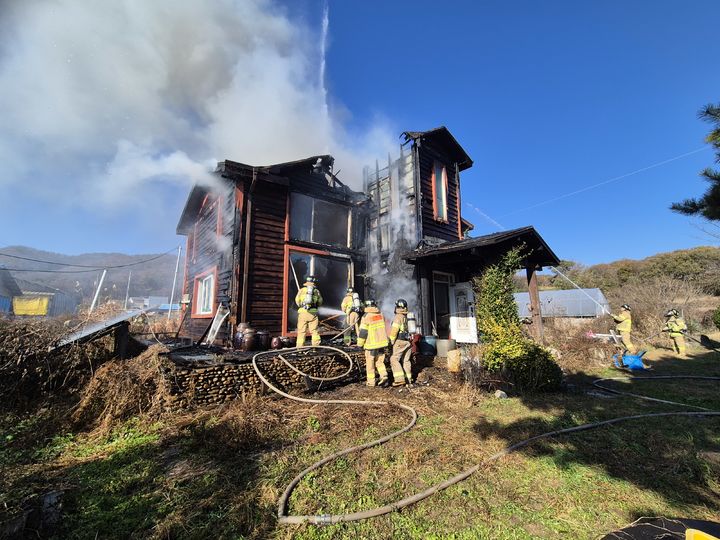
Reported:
(330, 224)
(439, 186)
(334, 275)
(315, 220)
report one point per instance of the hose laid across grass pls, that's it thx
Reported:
(327, 519)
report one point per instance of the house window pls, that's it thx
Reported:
(315, 220)
(204, 294)
(334, 275)
(439, 186)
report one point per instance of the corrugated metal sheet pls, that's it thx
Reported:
(564, 303)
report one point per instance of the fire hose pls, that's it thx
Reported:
(328, 519)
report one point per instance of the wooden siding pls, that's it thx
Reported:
(267, 252)
(210, 247)
(430, 226)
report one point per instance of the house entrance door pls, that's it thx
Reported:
(442, 284)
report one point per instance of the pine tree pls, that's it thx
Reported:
(707, 206)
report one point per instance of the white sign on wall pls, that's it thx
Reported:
(463, 327)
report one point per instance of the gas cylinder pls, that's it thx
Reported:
(308, 301)
(412, 323)
(356, 301)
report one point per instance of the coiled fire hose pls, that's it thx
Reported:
(328, 519)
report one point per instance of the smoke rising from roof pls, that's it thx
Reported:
(100, 100)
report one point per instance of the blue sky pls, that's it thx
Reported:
(546, 97)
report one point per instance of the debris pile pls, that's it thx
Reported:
(121, 389)
(28, 370)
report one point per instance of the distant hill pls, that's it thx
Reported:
(149, 278)
(700, 265)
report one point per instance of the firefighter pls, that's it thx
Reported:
(676, 328)
(352, 308)
(400, 344)
(373, 338)
(623, 325)
(308, 300)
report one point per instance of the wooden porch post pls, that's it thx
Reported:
(537, 326)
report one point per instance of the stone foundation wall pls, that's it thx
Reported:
(228, 381)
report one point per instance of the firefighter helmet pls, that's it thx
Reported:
(311, 279)
(626, 307)
(350, 290)
(672, 313)
(370, 303)
(401, 303)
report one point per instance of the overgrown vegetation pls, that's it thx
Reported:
(716, 318)
(698, 267)
(217, 472)
(505, 350)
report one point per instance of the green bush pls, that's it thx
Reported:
(716, 318)
(505, 350)
(533, 370)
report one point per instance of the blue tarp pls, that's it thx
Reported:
(5, 304)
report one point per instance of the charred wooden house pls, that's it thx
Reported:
(417, 238)
(253, 236)
(257, 233)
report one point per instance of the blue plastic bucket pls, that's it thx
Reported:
(428, 345)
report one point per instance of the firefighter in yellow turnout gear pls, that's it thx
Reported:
(373, 338)
(308, 300)
(352, 308)
(676, 328)
(401, 348)
(623, 325)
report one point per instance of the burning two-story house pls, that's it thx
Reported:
(253, 237)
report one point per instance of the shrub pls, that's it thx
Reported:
(716, 318)
(505, 350)
(534, 369)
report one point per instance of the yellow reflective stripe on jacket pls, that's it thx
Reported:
(317, 300)
(676, 326)
(347, 304)
(372, 331)
(624, 322)
(399, 325)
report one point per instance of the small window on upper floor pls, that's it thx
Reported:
(440, 190)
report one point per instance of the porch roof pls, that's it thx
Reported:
(486, 249)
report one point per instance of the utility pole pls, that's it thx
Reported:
(172, 294)
(127, 291)
(97, 292)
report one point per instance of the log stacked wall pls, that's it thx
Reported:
(227, 381)
(267, 252)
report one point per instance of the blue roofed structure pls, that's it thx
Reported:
(565, 303)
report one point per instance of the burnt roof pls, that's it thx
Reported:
(442, 137)
(8, 285)
(306, 175)
(481, 246)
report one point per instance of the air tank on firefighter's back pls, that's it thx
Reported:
(412, 323)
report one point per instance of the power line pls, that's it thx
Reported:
(604, 182)
(94, 268)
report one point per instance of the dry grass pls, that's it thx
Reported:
(122, 389)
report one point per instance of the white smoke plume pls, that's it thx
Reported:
(100, 100)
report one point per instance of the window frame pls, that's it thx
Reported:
(346, 208)
(444, 217)
(197, 284)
